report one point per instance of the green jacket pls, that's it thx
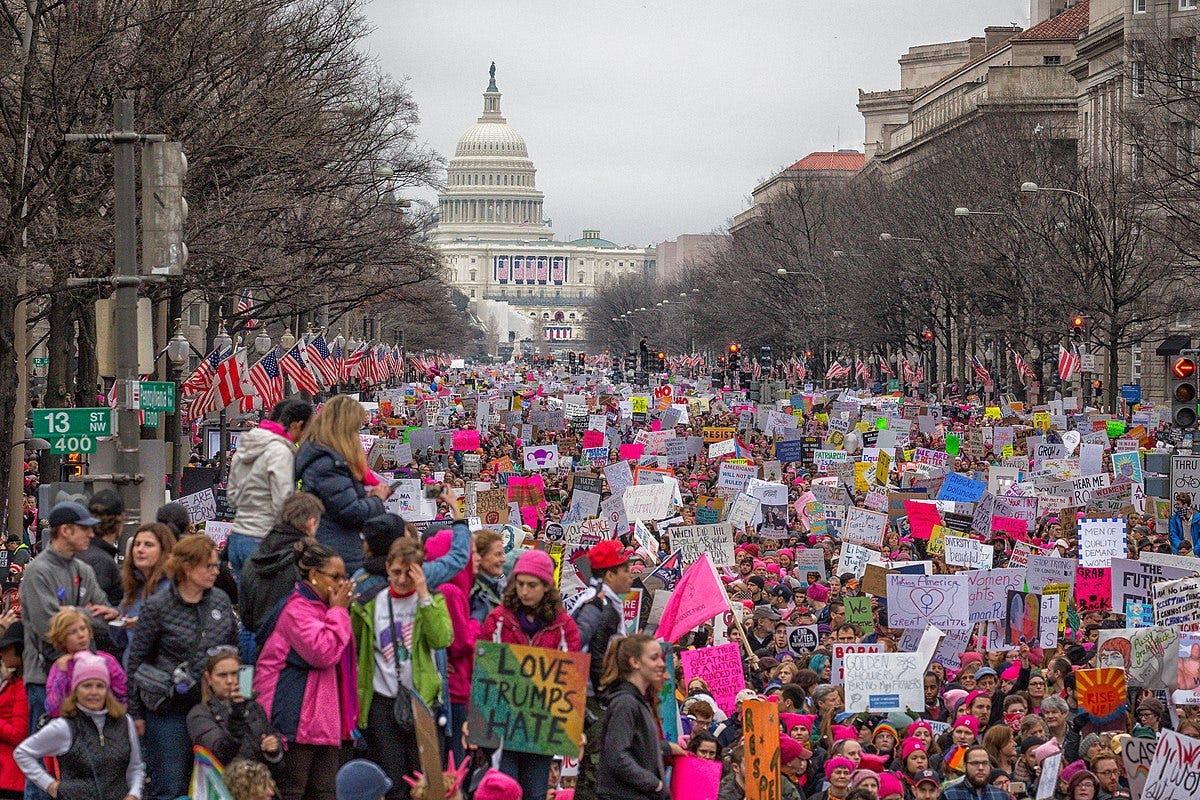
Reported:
(431, 631)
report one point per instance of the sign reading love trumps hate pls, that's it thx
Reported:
(530, 698)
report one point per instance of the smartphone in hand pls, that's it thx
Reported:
(246, 680)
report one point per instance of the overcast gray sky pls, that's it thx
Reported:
(648, 120)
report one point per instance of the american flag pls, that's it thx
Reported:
(837, 370)
(885, 367)
(981, 370)
(321, 359)
(351, 368)
(245, 306)
(199, 381)
(294, 366)
(906, 369)
(209, 400)
(756, 370)
(1023, 368)
(860, 370)
(1069, 362)
(267, 379)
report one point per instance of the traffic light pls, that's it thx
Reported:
(1182, 384)
(164, 208)
(1077, 325)
(582, 360)
(927, 337)
(766, 357)
(630, 361)
(662, 362)
(733, 356)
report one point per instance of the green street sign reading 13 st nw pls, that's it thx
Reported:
(49, 423)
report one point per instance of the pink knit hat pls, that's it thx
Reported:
(889, 785)
(840, 732)
(88, 666)
(817, 592)
(953, 697)
(535, 563)
(496, 785)
(1012, 673)
(911, 745)
(967, 721)
(838, 761)
(920, 724)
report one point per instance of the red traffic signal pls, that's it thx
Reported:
(733, 348)
(927, 336)
(1077, 322)
(1183, 368)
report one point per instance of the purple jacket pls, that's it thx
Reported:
(306, 676)
(58, 682)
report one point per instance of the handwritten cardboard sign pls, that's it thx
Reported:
(530, 698)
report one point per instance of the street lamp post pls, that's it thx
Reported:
(178, 349)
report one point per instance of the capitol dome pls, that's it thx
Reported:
(490, 183)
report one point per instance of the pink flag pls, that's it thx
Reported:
(697, 598)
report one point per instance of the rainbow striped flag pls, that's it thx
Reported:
(207, 774)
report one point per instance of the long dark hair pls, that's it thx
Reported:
(547, 610)
(137, 585)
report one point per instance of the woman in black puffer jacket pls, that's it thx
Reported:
(331, 464)
(175, 632)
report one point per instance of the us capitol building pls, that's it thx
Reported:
(500, 250)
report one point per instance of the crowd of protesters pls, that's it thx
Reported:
(122, 654)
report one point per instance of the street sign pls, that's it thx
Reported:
(41, 361)
(893, 384)
(1087, 362)
(149, 418)
(73, 443)
(51, 422)
(157, 396)
(1131, 392)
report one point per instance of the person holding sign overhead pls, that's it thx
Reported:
(531, 613)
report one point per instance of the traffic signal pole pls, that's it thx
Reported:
(127, 473)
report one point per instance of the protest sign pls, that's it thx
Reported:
(959, 488)
(692, 776)
(694, 540)
(1042, 570)
(864, 527)
(1023, 618)
(1046, 783)
(963, 551)
(1136, 755)
(989, 592)
(1093, 588)
(648, 501)
(1177, 603)
(619, 477)
(721, 668)
(1175, 769)
(491, 506)
(858, 611)
(760, 737)
(201, 506)
(530, 698)
(1100, 541)
(1101, 691)
(540, 456)
(854, 558)
(1133, 581)
(883, 682)
(802, 638)
(217, 531)
(917, 600)
(837, 675)
(923, 516)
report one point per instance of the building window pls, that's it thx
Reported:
(194, 316)
(1137, 78)
(581, 277)
(1139, 6)
(1187, 5)
(472, 294)
(473, 276)
(1051, 60)
(1137, 159)
(1185, 63)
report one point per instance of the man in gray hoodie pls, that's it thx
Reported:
(54, 579)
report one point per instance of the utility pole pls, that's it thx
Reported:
(127, 468)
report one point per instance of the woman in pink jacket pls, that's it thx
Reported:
(306, 679)
(531, 614)
(460, 655)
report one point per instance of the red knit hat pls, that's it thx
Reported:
(608, 554)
